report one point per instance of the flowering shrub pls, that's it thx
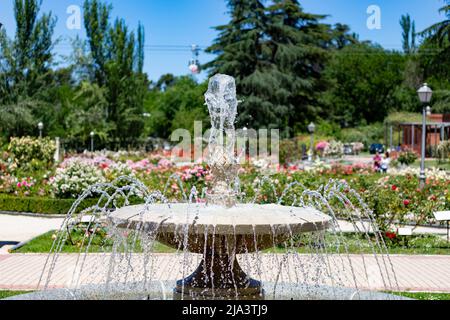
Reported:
(407, 157)
(398, 199)
(321, 146)
(194, 174)
(358, 147)
(432, 173)
(443, 151)
(335, 149)
(73, 177)
(29, 151)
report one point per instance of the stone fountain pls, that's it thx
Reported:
(221, 228)
(217, 235)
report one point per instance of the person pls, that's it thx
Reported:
(377, 162)
(385, 163)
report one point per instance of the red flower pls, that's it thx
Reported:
(391, 235)
(394, 188)
(406, 202)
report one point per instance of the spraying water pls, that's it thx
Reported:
(221, 246)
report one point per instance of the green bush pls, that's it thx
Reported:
(407, 157)
(366, 134)
(40, 205)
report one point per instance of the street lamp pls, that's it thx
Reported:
(425, 94)
(40, 127)
(92, 134)
(311, 129)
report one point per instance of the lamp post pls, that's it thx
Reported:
(40, 127)
(425, 94)
(311, 129)
(92, 134)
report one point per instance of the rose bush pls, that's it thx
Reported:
(32, 153)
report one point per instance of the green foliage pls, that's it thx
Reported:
(277, 55)
(407, 157)
(178, 106)
(401, 117)
(365, 134)
(409, 30)
(364, 78)
(25, 68)
(40, 204)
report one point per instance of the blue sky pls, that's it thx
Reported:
(186, 22)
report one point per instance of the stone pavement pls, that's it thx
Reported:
(413, 273)
(18, 228)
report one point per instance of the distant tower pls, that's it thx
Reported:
(194, 64)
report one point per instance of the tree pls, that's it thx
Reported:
(440, 32)
(365, 79)
(178, 106)
(408, 34)
(342, 36)
(276, 55)
(96, 23)
(298, 43)
(25, 67)
(435, 49)
(118, 58)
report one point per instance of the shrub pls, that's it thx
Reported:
(407, 157)
(40, 204)
(443, 151)
(366, 134)
(32, 153)
(74, 177)
(335, 149)
(288, 151)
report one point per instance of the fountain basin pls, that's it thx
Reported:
(219, 234)
(244, 228)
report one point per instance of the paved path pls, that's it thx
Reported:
(414, 273)
(16, 228)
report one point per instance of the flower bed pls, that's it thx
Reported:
(394, 198)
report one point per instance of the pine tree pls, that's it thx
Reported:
(276, 55)
(298, 45)
(240, 53)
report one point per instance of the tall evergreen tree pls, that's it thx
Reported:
(276, 55)
(342, 36)
(25, 67)
(408, 34)
(298, 43)
(118, 57)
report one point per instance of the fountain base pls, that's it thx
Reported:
(218, 276)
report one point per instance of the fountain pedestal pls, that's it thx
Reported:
(218, 276)
(219, 234)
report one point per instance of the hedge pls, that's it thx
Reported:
(40, 205)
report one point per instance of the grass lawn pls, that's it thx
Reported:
(433, 164)
(425, 245)
(43, 244)
(423, 295)
(6, 294)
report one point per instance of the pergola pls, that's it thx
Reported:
(410, 135)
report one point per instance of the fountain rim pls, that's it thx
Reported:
(207, 219)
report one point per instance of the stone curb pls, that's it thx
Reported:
(32, 215)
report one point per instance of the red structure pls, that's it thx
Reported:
(438, 129)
